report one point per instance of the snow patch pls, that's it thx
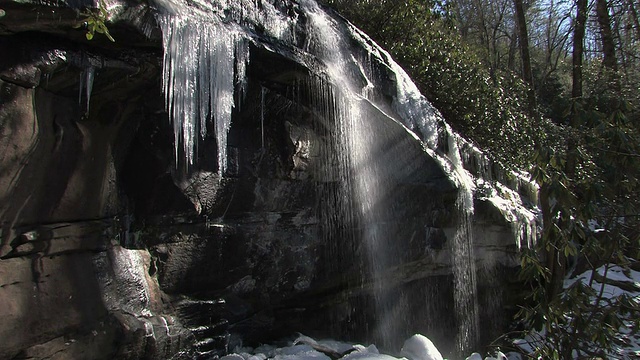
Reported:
(419, 347)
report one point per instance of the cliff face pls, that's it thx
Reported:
(111, 247)
(68, 289)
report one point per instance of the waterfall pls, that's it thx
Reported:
(463, 259)
(206, 52)
(363, 179)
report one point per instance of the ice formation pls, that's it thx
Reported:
(417, 347)
(86, 86)
(199, 67)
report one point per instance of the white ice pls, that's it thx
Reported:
(608, 291)
(417, 347)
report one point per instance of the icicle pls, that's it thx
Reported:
(89, 75)
(198, 81)
(262, 92)
(222, 91)
(242, 61)
(81, 87)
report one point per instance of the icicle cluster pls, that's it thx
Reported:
(505, 190)
(206, 52)
(198, 83)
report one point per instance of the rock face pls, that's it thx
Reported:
(110, 249)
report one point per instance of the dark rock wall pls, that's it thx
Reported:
(68, 289)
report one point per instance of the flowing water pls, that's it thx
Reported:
(366, 183)
(464, 268)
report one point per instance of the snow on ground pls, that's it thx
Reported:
(417, 347)
(610, 289)
(613, 273)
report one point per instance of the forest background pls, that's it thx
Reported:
(551, 88)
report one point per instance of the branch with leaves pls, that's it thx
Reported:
(95, 22)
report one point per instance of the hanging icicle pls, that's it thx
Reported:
(198, 82)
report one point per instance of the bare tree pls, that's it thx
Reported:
(488, 26)
(555, 38)
(523, 41)
(634, 17)
(609, 59)
(579, 30)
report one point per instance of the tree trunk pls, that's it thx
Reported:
(636, 23)
(523, 41)
(513, 46)
(578, 51)
(609, 61)
(556, 261)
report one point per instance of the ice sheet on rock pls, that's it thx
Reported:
(512, 193)
(523, 219)
(258, 16)
(414, 110)
(299, 352)
(419, 116)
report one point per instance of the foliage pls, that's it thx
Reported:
(582, 319)
(489, 108)
(95, 22)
